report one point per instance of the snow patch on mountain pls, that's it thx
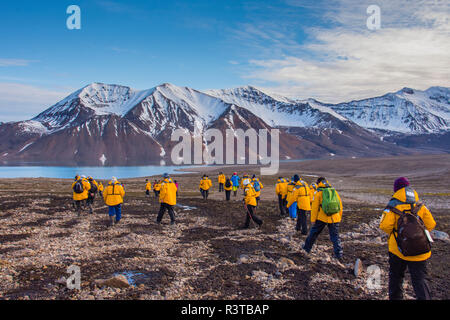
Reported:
(32, 126)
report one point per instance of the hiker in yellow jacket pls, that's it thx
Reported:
(281, 192)
(157, 188)
(100, 189)
(289, 192)
(250, 204)
(258, 186)
(80, 187)
(205, 185)
(331, 216)
(167, 198)
(403, 206)
(148, 187)
(228, 186)
(300, 195)
(113, 197)
(91, 194)
(221, 180)
(312, 191)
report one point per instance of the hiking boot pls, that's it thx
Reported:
(111, 221)
(116, 221)
(172, 222)
(304, 250)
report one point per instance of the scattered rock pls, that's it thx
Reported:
(440, 235)
(286, 261)
(358, 268)
(119, 281)
(243, 258)
(62, 281)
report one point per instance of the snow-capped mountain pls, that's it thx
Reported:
(406, 111)
(116, 125)
(280, 111)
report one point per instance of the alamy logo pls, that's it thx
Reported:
(374, 20)
(74, 20)
(209, 148)
(373, 277)
(74, 280)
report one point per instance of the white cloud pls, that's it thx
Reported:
(350, 62)
(15, 62)
(20, 101)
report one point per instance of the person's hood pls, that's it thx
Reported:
(407, 195)
(324, 184)
(114, 182)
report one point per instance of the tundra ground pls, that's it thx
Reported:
(206, 255)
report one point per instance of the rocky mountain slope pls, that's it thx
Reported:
(104, 124)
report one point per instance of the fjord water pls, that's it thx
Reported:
(96, 172)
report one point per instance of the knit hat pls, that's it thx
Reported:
(165, 175)
(296, 178)
(400, 183)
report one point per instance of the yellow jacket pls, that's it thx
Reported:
(157, 186)
(148, 186)
(221, 178)
(389, 222)
(205, 183)
(244, 179)
(228, 188)
(312, 192)
(84, 194)
(289, 189)
(317, 212)
(250, 195)
(300, 194)
(168, 193)
(281, 187)
(113, 194)
(100, 187)
(94, 182)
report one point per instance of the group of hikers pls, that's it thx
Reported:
(406, 220)
(85, 190)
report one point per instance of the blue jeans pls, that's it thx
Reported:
(115, 211)
(316, 229)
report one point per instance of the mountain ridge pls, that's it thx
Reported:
(99, 121)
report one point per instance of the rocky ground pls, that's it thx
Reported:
(206, 255)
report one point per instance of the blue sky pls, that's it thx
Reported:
(320, 49)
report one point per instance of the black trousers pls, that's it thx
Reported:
(281, 205)
(301, 221)
(220, 187)
(228, 194)
(77, 204)
(204, 193)
(418, 272)
(162, 210)
(251, 216)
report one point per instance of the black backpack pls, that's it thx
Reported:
(228, 183)
(411, 237)
(93, 186)
(78, 187)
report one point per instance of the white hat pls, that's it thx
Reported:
(113, 179)
(83, 176)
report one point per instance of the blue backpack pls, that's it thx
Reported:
(256, 186)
